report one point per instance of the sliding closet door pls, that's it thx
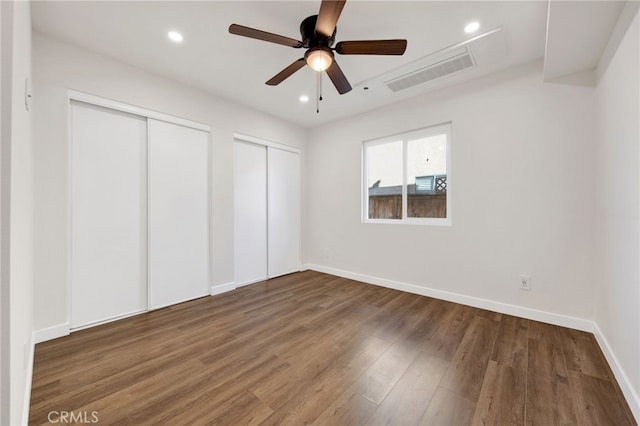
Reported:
(178, 247)
(108, 208)
(284, 211)
(250, 213)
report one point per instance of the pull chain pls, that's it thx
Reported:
(318, 92)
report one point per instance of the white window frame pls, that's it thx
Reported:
(405, 137)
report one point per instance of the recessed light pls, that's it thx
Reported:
(471, 27)
(304, 98)
(175, 36)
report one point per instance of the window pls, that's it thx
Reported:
(406, 178)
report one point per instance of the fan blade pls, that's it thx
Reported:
(372, 47)
(328, 16)
(287, 72)
(338, 78)
(263, 35)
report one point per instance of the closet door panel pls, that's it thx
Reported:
(178, 248)
(108, 209)
(250, 190)
(284, 212)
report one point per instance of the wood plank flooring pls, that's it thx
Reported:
(314, 348)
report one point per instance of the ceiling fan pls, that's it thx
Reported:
(318, 35)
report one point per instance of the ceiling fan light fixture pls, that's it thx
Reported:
(318, 35)
(319, 58)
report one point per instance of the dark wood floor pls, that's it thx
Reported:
(314, 348)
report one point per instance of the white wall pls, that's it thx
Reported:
(522, 171)
(6, 26)
(59, 66)
(617, 300)
(17, 213)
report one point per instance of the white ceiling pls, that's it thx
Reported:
(236, 68)
(575, 36)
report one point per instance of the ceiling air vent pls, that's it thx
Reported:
(450, 65)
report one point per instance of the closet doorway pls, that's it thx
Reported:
(139, 211)
(267, 210)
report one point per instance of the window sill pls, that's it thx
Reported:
(410, 221)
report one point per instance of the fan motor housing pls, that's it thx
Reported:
(309, 36)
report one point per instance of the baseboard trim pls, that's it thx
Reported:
(222, 288)
(29, 377)
(625, 385)
(246, 283)
(476, 302)
(533, 314)
(51, 333)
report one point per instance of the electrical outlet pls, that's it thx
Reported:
(525, 282)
